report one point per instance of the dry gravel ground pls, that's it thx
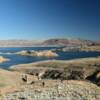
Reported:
(55, 90)
(12, 88)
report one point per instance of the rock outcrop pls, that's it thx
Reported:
(2, 59)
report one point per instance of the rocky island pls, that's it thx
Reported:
(45, 53)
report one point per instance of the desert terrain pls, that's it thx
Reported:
(77, 79)
(52, 79)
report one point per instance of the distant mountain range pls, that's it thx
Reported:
(49, 42)
(66, 42)
(19, 43)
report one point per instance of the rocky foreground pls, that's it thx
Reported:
(52, 80)
(55, 90)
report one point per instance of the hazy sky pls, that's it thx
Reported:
(42, 19)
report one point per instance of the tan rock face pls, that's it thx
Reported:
(46, 53)
(2, 59)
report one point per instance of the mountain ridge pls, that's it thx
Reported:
(49, 42)
(64, 42)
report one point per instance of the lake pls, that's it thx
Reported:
(18, 59)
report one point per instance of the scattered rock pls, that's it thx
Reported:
(68, 90)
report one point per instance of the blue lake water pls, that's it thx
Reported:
(17, 59)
